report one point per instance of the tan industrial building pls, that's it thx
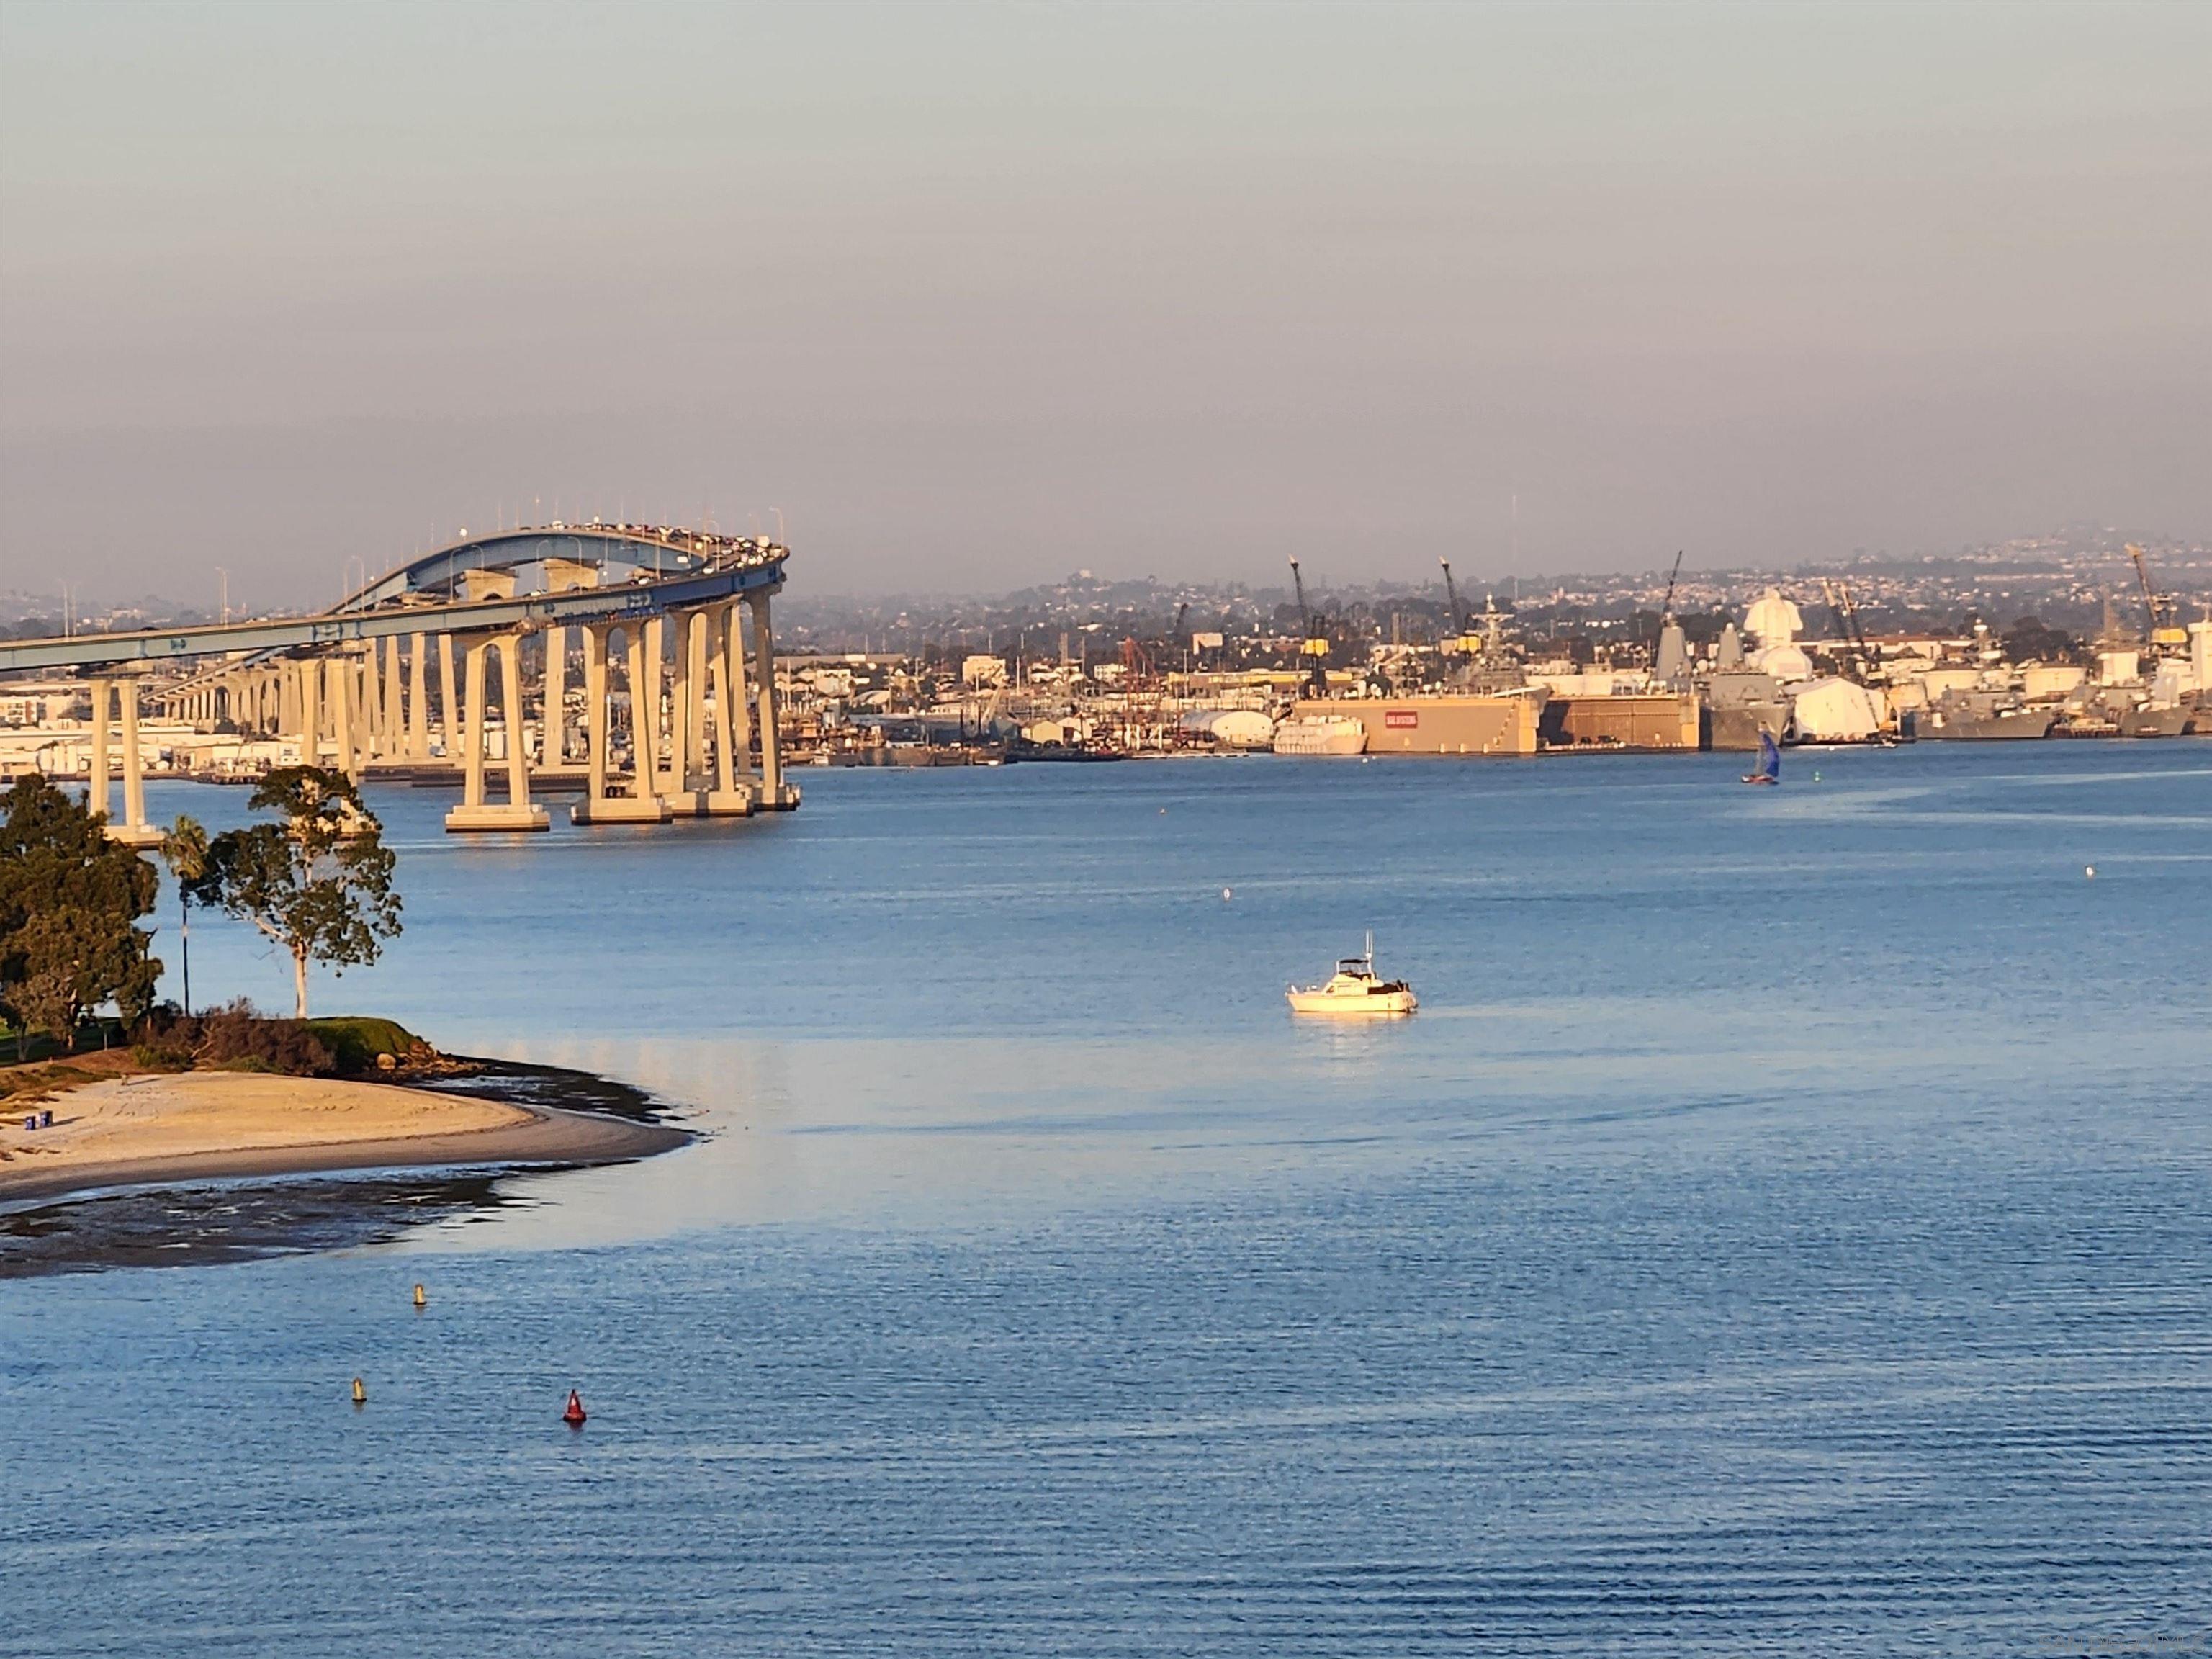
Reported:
(1652, 721)
(1439, 726)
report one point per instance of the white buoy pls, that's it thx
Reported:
(2090, 871)
(1224, 895)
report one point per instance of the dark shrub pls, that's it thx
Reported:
(234, 1037)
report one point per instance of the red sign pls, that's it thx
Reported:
(1402, 720)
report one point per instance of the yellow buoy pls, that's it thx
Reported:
(419, 1297)
(360, 1394)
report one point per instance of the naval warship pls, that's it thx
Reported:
(1982, 716)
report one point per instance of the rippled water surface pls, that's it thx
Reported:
(1786, 1228)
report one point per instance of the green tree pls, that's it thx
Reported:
(318, 884)
(69, 900)
(184, 850)
(2032, 640)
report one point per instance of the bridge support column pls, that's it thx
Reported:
(97, 796)
(418, 700)
(645, 708)
(370, 713)
(680, 791)
(775, 795)
(343, 697)
(732, 793)
(516, 812)
(394, 710)
(308, 676)
(449, 700)
(553, 747)
(134, 830)
(695, 705)
(642, 804)
(365, 698)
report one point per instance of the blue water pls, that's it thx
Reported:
(1787, 1228)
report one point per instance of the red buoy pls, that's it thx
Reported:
(573, 1416)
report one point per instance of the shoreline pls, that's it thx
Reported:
(495, 1125)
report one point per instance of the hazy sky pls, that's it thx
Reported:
(979, 295)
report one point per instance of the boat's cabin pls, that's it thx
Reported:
(1355, 976)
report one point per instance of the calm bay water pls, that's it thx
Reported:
(1786, 1228)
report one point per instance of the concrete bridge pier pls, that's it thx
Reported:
(449, 696)
(369, 708)
(642, 804)
(418, 700)
(338, 683)
(688, 788)
(732, 791)
(517, 811)
(133, 830)
(553, 746)
(394, 711)
(775, 795)
(307, 689)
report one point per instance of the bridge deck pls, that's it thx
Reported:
(569, 606)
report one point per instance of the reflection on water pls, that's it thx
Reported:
(1784, 1228)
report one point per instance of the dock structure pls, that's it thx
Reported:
(659, 615)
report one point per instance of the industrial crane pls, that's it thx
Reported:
(2165, 629)
(1852, 619)
(1315, 645)
(1668, 664)
(1461, 637)
(1839, 595)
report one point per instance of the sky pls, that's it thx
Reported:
(976, 296)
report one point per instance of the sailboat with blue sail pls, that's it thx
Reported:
(1770, 761)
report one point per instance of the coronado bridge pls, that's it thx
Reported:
(399, 673)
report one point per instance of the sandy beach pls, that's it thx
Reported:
(209, 1124)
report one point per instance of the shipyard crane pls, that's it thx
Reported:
(1851, 620)
(1176, 633)
(1136, 662)
(1459, 638)
(1838, 597)
(1666, 604)
(1313, 646)
(2164, 627)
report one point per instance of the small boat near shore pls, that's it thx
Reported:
(1354, 989)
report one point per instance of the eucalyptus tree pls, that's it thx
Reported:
(318, 882)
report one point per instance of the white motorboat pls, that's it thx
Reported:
(1354, 989)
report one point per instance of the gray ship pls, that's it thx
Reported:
(2112, 712)
(1739, 705)
(1982, 717)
